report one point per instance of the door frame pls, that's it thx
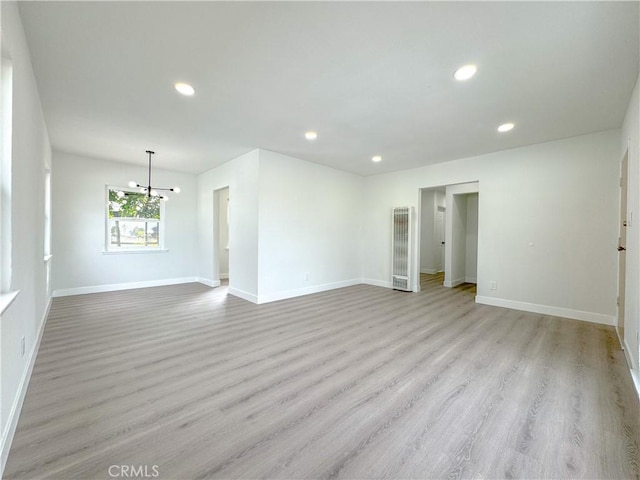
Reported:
(622, 244)
(216, 234)
(472, 186)
(454, 190)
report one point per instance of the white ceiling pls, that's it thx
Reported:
(369, 77)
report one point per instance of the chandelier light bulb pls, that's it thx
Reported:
(176, 189)
(120, 194)
(133, 184)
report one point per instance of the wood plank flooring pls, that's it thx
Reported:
(185, 382)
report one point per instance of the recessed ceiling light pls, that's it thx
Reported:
(465, 72)
(376, 158)
(505, 127)
(310, 135)
(184, 89)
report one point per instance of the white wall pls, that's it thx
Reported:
(241, 176)
(630, 138)
(561, 197)
(79, 263)
(309, 224)
(31, 151)
(294, 226)
(471, 250)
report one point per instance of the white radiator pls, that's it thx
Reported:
(401, 253)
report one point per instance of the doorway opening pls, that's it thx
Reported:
(622, 247)
(432, 230)
(448, 233)
(463, 240)
(221, 257)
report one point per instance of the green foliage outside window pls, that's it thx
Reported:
(133, 205)
(134, 220)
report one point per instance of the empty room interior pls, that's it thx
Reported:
(290, 240)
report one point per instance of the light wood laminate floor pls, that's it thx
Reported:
(360, 382)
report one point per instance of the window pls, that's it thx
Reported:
(7, 294)
(47, 214)
(6, 108)
(134, 221)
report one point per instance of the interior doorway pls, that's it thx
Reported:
(440, 236)
(432, 230)
(462, 240)
(448, 232)
(622, 246)
(221, 208)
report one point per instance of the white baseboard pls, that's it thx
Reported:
(627, 354)
(623, 345)
(209, 283)
(453, 283)
(549, 310)
(65, 292)
(430, 271)
(635, 375)
(298, 292)
(224, 276)
(470, 280)
(377, 283)
(635, 372)
(244, 295)
(14, 413)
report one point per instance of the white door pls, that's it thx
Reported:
(439, 231)
(622, 245)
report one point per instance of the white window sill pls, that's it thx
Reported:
(137, 251)
(47, 258)
(7, 299)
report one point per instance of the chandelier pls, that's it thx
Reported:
(148, 189)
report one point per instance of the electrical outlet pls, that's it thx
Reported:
(22, 347)
(493, 285)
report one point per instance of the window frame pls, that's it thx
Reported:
(7, 291)
(47, 213)
(6, 183)
(114, 249)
